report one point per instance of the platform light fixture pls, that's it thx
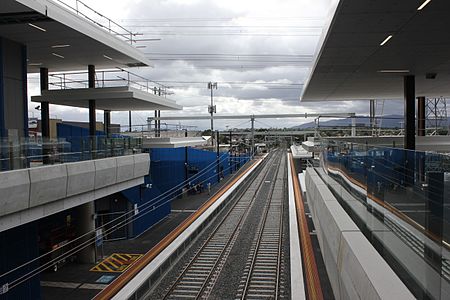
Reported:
(394, 71)
(35, 64)
(107, 57)
(57, 55)
(386, 40)
(37, 27)
(61, 46)
(424, 4)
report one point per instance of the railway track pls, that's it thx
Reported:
(262, 277)
(197, 278)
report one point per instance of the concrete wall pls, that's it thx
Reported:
(355, 269)
(30, 194)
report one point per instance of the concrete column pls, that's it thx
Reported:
(13, 90)
(410, 105)
(421, 116)
(107, 122)
(86, 223)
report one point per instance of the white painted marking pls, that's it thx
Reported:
(61, 284)
(183, 210)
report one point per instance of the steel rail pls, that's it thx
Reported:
(259, 242)
(132, 271)
(228, 241)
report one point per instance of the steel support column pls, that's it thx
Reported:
(372, 115)
(410, 129)
(129, 121)
(410, 99)
(91, 84)
(253, 135)
(186, 160)
(421, 116)
(421, 131)
(107, 122)
(45, 118)
(45, 114)
(92, 117)
(218, 155)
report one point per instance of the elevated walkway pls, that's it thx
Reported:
(34, 193)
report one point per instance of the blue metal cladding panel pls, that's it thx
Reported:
(206, 164)
(20, 245)
(152, 207)
(167, 168)
(75, 135)
(167, 179)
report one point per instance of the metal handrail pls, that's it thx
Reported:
(128, 35)
(108, 77)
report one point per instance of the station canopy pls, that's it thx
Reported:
(123, 98)
(173, 142)
(368, 46)
(60, 39)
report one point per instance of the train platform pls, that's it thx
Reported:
(84, 281)
(177, 266)
(303, 268)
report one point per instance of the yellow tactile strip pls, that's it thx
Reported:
(116, 263)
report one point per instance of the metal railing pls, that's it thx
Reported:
(107, 78)
(81, 9)
(33, 152)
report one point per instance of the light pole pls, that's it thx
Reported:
(212, 107)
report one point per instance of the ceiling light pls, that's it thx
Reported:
(386, 40)
(107, 57)
(37, 27)
(393, 71)
(57, 55)
(35, 64)
(424, 4)
(61, 46)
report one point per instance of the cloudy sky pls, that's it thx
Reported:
(258, 51)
